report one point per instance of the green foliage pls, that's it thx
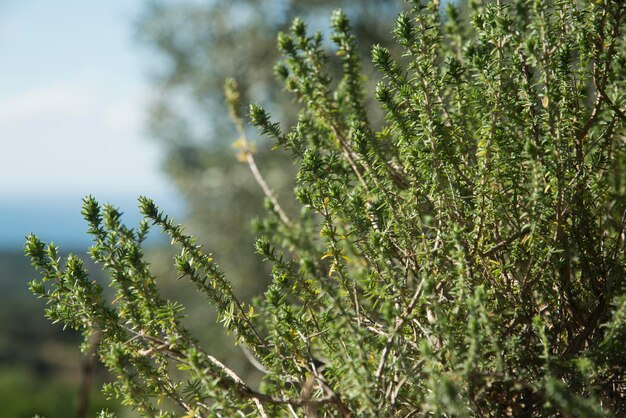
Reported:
(466, 259)
(199, 45)
(40, 364)
(23, 392)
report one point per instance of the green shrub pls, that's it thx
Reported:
(465, 259)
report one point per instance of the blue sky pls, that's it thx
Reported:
(73, 96)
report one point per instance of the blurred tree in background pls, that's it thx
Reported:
(198, 45)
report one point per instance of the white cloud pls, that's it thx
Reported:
(127, 112)
(58, 100)
(76, 135)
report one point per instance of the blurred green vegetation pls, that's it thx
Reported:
(40, 362)
(23, 393)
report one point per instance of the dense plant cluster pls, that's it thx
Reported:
(465, 259)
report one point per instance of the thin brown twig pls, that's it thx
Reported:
(266, 190)
(504, 243)
(87, 371)
(232, 100)
(230, 380)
